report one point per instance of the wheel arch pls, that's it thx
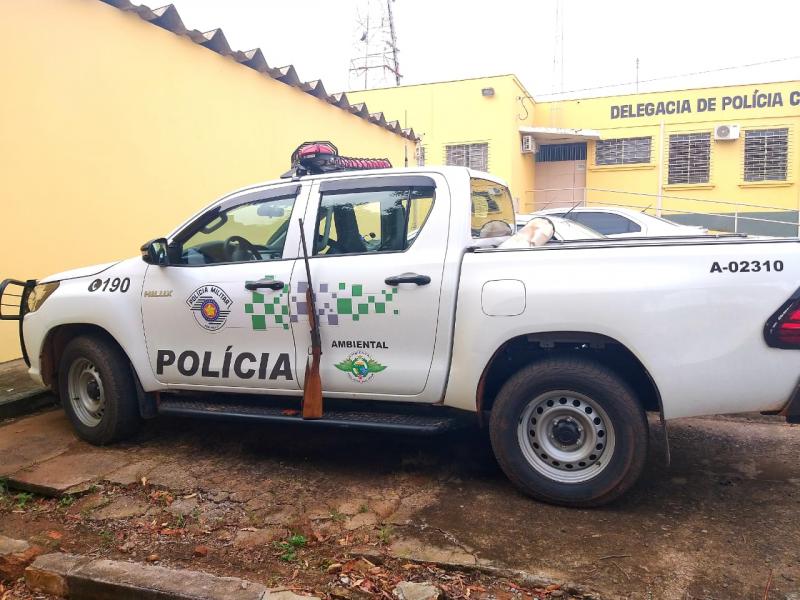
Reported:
(525, 349)
(56, 341)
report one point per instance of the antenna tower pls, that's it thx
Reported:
(375, 61)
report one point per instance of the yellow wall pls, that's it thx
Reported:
(726, 175)
(455, 112)
(113, 130)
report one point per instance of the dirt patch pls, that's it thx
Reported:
(223, 504)
(283, 506)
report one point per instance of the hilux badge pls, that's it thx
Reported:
(211, 306)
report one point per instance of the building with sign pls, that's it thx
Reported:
(724, 157)
(118, 122)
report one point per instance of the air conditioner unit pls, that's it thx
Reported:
(726, 132)
(528, 144)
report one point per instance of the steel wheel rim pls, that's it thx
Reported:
(86, 393)
(548, 426)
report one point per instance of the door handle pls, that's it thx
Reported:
(272, 284)
(408, 278)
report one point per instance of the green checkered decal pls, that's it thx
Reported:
(333, 302)
(354, 301)
(269, 310)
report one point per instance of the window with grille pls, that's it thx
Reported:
(623, 151)
(766, 153)
(474, 156)
(420, 156)
(560, 152)
(689, 158)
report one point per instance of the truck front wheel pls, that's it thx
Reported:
(570, 432)
(97, 391)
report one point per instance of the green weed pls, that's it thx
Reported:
(385, 533)
(22, 500)
(338, 517)
(66, 501)
(290, 547)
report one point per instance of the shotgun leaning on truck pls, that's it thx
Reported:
(560, 350)
(312, 384)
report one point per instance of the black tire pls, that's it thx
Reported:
(120, 416)
(598, 385)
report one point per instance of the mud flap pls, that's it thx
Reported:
(148, 401)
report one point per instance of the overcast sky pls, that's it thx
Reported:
(455, 39)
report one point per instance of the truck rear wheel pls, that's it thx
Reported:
(570, 432)
(97, 390)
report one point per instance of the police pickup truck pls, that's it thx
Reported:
(560, 350)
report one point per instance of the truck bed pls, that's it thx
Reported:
(691, 309)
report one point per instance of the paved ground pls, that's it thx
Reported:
(14, 380)
(18, 392)
(719, 523)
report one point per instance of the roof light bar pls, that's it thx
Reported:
(313, 158)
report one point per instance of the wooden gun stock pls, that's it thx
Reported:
(312, 383)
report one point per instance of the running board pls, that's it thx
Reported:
(408, 422)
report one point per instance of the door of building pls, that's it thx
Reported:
(560, 175)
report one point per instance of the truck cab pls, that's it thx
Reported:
(227, 310)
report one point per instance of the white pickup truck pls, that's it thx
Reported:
(560, 349)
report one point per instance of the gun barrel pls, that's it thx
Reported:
(312, 385)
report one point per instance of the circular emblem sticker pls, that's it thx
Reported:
(210, 310)
(360, 366)
(210, 306)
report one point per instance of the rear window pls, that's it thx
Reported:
(492, 209)
(605, 223)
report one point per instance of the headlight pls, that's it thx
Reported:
(40, 293)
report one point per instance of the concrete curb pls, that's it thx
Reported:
(24, 403)
(487, 568)
(15, 556)
(73, 576)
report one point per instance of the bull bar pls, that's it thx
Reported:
(14, 305)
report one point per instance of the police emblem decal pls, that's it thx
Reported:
(360, 367)
(210, 306)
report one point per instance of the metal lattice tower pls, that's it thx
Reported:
(375, 62)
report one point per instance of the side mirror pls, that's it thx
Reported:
(154, 252)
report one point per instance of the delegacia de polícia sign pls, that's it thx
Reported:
(757, 99)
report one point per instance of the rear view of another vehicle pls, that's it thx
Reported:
(613, 221)
(564, 230)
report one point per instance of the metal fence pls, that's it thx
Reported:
(716, 215)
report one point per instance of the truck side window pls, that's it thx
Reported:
(247, 232)
(492, 209)
(385, 220)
